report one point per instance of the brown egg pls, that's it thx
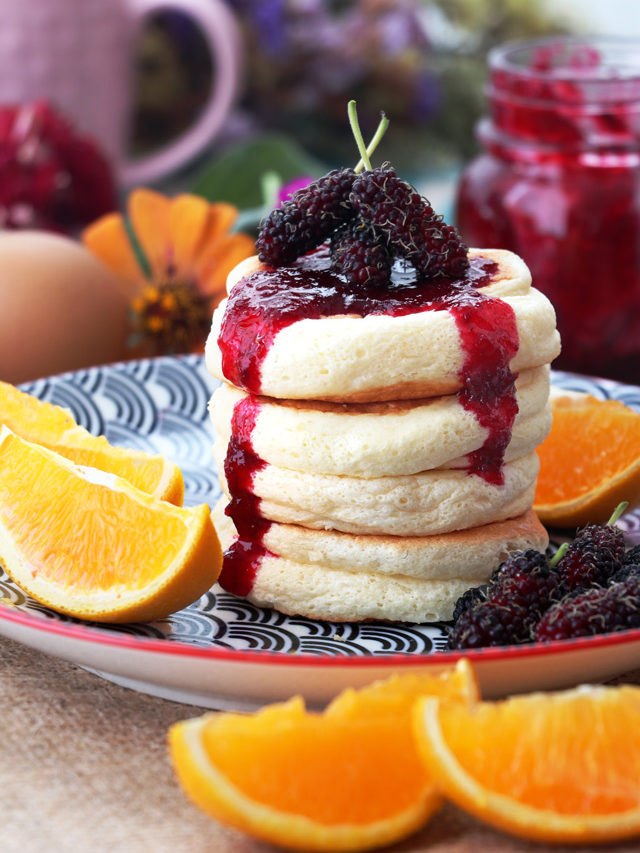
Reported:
(60, 308)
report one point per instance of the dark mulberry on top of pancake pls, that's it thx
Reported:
(370, 216)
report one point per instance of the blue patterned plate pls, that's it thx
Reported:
(224, 652)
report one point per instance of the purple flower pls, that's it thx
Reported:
(400, 31)
(427, 96)
(292, 186)
(269, 17)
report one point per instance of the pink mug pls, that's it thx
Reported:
(79, 55)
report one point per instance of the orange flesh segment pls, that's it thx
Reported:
(575, 758)
(141, 473)
(356, 763)
(333, 774)
(396, 695)
(89, 521)
(52, 427)
(590, 442)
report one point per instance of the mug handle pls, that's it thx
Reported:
(223, 40)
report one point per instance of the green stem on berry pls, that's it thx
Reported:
(617, 512)
(562, 550)
(357, 134)
(365, 153)
(377, 136)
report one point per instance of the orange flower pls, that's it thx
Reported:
(174, 256)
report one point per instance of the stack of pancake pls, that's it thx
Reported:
(368, 482)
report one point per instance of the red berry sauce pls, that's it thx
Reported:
(242, 559)
(489, 335)
(265, 302)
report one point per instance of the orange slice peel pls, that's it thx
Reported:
(89, 544)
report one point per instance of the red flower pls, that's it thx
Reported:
(50, 177)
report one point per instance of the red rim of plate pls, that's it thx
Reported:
(92, 634)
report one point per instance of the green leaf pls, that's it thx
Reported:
(237, 175)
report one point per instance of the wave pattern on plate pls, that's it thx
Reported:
(10, 595)
(191, 394)
(71, 394)
(133, 402)
(160, 405)
(200, 486)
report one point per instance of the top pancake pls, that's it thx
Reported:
(380, 357)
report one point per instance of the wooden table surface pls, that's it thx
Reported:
(84, 769)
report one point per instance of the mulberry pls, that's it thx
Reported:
(593, 557)
(359, 256)
(308, 219)
(489, 624)
(406, 221)
(596, 611)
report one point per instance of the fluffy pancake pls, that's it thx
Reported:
(341, 577)
(421, 504)
(364, 446)
(382, 357)
(384, 439)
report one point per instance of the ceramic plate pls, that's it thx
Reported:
(223, 652)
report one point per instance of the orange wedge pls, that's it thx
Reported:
(560, 767)
(53, 427)
(347, 779)
(589, 462)
(87, 543)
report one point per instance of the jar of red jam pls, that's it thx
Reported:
(558, 182)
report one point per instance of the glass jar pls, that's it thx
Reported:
(558, 182)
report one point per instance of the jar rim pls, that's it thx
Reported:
(514, 58)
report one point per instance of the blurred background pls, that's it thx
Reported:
(295, 65)
(422, 61)
(298, 62)
(230, 100)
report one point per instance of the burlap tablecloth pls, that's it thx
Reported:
(84, 767)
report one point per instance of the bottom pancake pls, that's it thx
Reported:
(339, 577)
